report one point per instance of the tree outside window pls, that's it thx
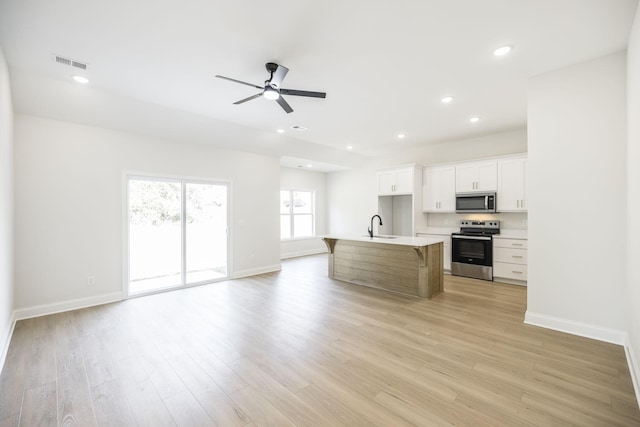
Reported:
(296, 214)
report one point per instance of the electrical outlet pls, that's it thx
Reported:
(91, 280)
(525, 223)
(446, 221)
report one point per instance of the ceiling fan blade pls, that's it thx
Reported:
(278, 76)
(248, 99)
(239, 81)
(285, 106)
(303, 93)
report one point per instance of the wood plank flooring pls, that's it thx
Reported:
(295, 348)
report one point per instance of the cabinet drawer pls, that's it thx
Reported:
(516, 256)
(509, 243)
(510, 271)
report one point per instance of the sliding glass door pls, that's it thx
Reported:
(205, 230)
(177, 233)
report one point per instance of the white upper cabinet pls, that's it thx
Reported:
(396, 181)
(477, 176)
(439, 189)
(512, 184)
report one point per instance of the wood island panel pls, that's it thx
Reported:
(407, 269)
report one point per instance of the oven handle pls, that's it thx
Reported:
(471, 237)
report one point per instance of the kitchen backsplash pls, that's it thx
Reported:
(508, 220)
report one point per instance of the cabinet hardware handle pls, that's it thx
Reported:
(516, 256)
(517, 272)
(516, 244)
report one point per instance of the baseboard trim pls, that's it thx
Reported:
(256, 271)
(59, 307)
(5, 347)
(576, 328)
(634, 369)
(303, 253)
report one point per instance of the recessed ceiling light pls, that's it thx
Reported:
(474, 119)
(349, 147)
(280, 130)
(401, 135)
(446, 99)
(81, 79)
(502, 50)
(309, 165)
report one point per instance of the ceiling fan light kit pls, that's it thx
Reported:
(272, 90)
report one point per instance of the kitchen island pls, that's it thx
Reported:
(408, 265)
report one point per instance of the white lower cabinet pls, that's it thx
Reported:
(510, 260)
(446, 247)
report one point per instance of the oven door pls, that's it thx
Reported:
(476, 250)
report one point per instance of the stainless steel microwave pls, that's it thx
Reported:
(476, 203)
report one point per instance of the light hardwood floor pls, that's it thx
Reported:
(297, 348)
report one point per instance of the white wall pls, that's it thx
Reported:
(6, 209)
(577, 199)
(300, 179)
(633, 198)
(69, 204)
(352, 198)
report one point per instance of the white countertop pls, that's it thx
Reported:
(511, 234)
(394, 240)
(505, 233)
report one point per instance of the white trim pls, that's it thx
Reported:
(59, 307)
(256, 271)
(634, 369)
(595, 332)
(303, 253)
(5, 347)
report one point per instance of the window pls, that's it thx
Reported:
(296, 214)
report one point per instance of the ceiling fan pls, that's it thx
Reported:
(272, 90)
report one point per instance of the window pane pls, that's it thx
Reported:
(303, 225)
(302, 202)
(285, 226)
(206, 228)
(285, 201)
(154, 235)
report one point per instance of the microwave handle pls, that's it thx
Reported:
(486, 202)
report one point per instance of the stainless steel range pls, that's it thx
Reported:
(472, 249)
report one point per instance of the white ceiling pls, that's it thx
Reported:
(384, 66)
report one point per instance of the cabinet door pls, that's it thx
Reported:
(432, 189)
(465, 178)
(404, 181)
(487, 176)
(512, 185)
(480, 176)
(448, 190)
(386, 182)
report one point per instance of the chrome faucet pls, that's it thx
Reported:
(370, 230)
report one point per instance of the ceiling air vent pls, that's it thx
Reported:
(70, 62)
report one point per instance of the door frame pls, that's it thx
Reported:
(126, 176)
